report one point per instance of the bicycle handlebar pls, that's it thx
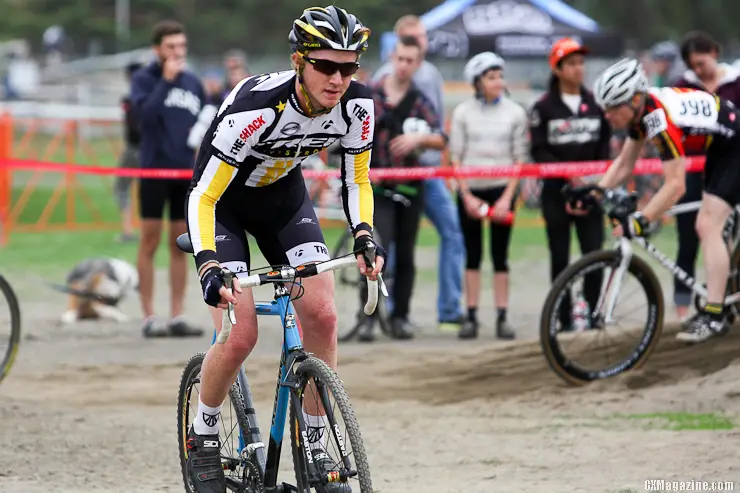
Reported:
(616, 202)
(287, 273)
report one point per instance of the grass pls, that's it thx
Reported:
(679, 421)
(62, 249)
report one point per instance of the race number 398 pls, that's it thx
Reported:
(696, 107)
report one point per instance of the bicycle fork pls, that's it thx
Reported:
(614, 278)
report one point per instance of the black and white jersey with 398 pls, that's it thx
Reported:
(260, 135)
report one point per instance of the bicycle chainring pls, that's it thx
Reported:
(252, 481)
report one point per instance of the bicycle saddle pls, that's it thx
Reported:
(183, 243)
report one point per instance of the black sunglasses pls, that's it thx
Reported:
(327, 67)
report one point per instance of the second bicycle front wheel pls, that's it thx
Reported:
(10, 330)
(349, 282)
(337, 450)
(574, 330)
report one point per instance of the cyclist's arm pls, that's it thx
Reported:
(622, 166)
(217, 166)
(673, 188)
(668, 139)
(357, 194)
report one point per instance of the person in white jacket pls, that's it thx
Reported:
(487, 130)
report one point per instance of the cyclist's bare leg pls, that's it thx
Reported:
(222, 361)
(318, 315)
(709, 225)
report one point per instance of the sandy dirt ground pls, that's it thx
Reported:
(92, 407)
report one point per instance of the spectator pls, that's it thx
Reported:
(438, 204)
(167, 99)
(487, 130)
(214, 96)
(568, 125)
(667, 64)
(235, 63)
(129, 159)
(398, 104)
(699, 52)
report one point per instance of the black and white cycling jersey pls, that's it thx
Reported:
(259, 137)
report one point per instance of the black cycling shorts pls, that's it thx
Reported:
(282, 220)
(154, 193)
(722, 170)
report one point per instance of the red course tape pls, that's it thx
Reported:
(545, 170)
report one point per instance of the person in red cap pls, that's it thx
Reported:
(567, 125)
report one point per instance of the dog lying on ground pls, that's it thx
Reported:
(96, 286)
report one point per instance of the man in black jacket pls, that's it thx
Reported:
(567, 125)
(167, 99)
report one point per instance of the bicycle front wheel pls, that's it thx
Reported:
(10, 327)
(580, 340)
(348, 468)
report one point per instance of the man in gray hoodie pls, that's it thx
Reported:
(438, 204)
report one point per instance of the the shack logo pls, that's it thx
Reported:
(366, 128)
(252, 127)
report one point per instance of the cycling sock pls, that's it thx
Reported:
(714, 310)
(316, 430)
(206, 422)
(502, 314)
(472, 313)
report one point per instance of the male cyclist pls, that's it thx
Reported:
(248, 179)
(678, 120)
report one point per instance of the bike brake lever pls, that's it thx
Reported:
(381, 282)
(229, 283)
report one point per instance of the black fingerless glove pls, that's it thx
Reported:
(361, 245)
(636, 225)
(211, 282)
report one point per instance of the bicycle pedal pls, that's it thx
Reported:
(283, 488)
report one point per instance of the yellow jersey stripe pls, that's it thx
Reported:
(207, 203)
(365, 191)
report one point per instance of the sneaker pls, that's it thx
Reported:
(468, 330)
(401, 329)
(179, 327)
(700, 328)
(204, 463)
(452, 325)
(154, 327)
(325, 463)
(504, 330)
(366, 332)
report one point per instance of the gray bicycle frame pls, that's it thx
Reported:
(624, 246)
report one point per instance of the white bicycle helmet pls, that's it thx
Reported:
(481, 62)
(617, 84)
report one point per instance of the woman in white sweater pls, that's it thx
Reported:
(487, 130)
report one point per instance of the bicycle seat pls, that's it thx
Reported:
(183, 243)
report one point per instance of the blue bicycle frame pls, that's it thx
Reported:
(268, 460)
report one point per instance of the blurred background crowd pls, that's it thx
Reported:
(83, 54)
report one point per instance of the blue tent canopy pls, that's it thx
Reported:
(449, 22)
